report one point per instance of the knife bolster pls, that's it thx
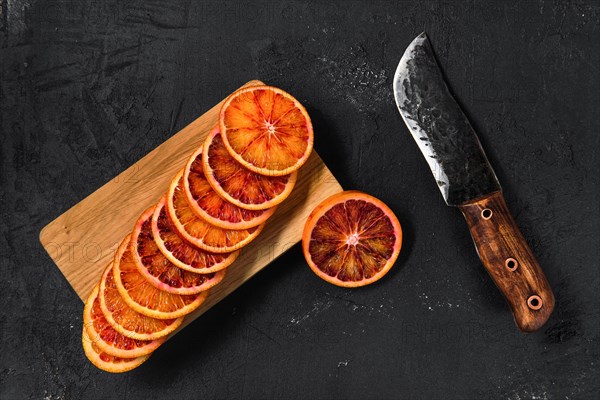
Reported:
(509, 261)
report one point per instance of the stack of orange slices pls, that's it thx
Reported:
(181, 247)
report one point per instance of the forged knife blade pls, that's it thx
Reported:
(466, 180)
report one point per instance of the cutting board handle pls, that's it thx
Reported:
(509, 261)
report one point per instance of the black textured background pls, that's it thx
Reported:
(89, 87)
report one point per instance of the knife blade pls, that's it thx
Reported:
(466, 180)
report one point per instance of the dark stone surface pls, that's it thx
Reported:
(89, 87)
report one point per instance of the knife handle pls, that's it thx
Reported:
(509, 261)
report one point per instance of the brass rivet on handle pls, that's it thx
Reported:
(486, 213)
(534, 302)
(511, 264)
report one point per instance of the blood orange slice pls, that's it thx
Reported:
(199, 232)
(109, 340)
(181, 253)
(105, 361)
(351, 239)
(158, 270)
(238, 185)
(143, 297)
(213, 208)
(267, 130)
(124, 319)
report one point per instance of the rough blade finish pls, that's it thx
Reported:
(440, 128)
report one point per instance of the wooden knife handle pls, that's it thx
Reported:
(509, 261)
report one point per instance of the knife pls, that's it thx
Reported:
(467, 181)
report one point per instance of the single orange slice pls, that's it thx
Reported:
(238, 185)
(109, 340)
(105, 361)
(182, 253)
(213, 208)
(199, 232)
(266, 130)
(143, 297)
(351, 239)
(158, 270)
(124, 319)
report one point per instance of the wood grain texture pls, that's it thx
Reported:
(509, 261)
(82, 241)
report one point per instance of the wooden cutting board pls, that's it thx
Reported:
(82, 241)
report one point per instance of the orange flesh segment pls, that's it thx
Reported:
(143, 293)
(197, 228)
(267, 129)
(105, 361)
(109, 335)
(240, 183)
(158, 266)
(130, 319)
(352, 241)
(186, 253)
(213, 204)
